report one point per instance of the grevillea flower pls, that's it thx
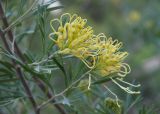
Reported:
(110, 59)
(134, 16)
(112, 105)
(74, 37)
(102, 55)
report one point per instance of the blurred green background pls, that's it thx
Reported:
(136, 23)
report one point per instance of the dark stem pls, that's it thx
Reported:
(9, 32)
(17, 68)
(19, 53)
(20, 75)
(49, 95)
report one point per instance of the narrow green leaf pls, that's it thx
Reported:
(8, 80)
(6, 64)
(104, 79)
(62, 69)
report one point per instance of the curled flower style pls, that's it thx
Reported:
(110, 59)
(74, 37)
(102, 55)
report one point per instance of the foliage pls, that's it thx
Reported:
(41, 71)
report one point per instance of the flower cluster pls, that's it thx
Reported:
(110, 59)
(100, 54)
(73, 36)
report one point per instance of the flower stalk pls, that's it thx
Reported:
(100, 54)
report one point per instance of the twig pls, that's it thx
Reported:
(48, 59)
(9, 32)
(44, 60)
(19, 53)
(61, 93)
(49, 95)
(20, 18)
(20, 75)
(17, 67)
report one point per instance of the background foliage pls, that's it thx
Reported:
(135, 23)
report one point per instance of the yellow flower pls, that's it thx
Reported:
(74, 37)
(112, 105)
(110, 59)
(134, 16)
(102, 55)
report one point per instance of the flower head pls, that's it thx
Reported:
(112, 105)
(110, 59)
(74, 37)
(134, 16)
(101, 54)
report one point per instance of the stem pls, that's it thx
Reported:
(64, 91)
(17, 68)
(45, 60)
(20, 76)
(49, 95)
(9, 32)
(20, 18)
(19, 53)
